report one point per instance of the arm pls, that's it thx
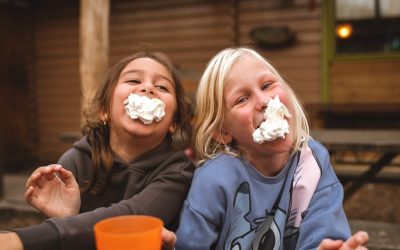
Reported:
(53, 191)
(195, 231)
(325, 217)
(166, 191)
(202, 213)
(12, 241)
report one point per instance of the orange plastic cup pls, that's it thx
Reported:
(137, 232)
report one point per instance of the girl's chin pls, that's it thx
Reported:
(138, 122)
(280, 142)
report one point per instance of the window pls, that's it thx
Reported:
(367, 26)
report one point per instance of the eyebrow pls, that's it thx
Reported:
(268, 74)
(141, 71)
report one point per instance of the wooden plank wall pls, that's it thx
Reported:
(192, 31)
(300, 63)
(189, 31)
(366, 82)
(17, 126)
(57, 74)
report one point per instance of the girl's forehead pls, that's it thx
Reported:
(146, 64)
(249, 67)
(252, 59)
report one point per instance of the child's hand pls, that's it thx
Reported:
(11, 241)
(356, 241)
(53, 190)
(168, 239)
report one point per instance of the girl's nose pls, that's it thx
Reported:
(147, 90)
(261, 106)
(261, 103)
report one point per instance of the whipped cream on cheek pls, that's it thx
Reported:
(275, 124)
(143, 108)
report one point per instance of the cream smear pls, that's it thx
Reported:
(144, 108)
(275, 124)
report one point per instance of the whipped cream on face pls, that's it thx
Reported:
(144, 108)
(275, 125)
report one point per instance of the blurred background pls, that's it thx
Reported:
(342, 57)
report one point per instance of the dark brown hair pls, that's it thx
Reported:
(98, 133)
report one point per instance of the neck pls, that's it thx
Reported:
(128, 148)
(271, 165)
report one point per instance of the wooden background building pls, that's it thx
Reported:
(39, 79)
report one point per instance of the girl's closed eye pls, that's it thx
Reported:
(241, 99)
(266, 85)
(162, 88)
(133, 81)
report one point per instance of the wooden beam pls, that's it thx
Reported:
(94, 45)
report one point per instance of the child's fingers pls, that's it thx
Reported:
(67, 177)
(49, 172)
(41, 174)
(33, 176)
(48, 169)
(328, 244)
(168, 239)
(358, 239)
(35, 179)
(30, 195)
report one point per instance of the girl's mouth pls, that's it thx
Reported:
(272, 123)
(256, 120)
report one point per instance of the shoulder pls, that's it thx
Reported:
(222, 164)
(317, 147)
(219, 171)
(79, 149)
(70, 154)
(179, 163)
(76, 157)
(321, 154)
(72, 157)
(214, 180)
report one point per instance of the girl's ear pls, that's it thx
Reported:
(103, 116)
(172, 128)
(222, 137)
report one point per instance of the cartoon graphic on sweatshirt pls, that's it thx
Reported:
(275, 229)
(265, 235)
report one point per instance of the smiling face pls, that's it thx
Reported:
(250, 84)
(145, 77)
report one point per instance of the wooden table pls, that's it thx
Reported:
(387, 142)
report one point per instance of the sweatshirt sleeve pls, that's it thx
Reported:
(45, 233)
(203, 212)
(195, 231)
(325, 217)
(162, 198)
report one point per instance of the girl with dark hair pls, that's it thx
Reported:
(124, 164)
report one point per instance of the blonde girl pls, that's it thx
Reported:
(276, 193)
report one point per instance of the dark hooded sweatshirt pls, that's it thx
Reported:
(156, 184)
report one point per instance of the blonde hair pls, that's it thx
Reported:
(209, 110)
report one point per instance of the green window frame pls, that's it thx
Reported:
(329, 54)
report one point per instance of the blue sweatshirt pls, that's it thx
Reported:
(230, 205)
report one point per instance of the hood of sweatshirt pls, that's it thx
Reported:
(144, 162)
